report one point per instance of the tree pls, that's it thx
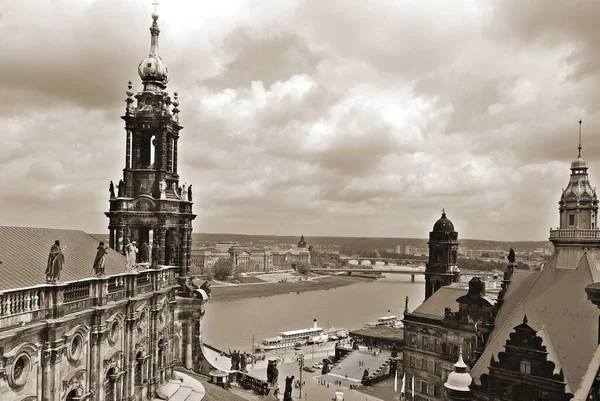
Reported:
(222, 268)
(303, 268)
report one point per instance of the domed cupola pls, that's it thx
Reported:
(458, 382)
(578, 203)
(443, 224)
(152, 69)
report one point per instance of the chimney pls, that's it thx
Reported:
(314, 323)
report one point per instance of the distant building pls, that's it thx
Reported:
(405, 249)
(248, 258)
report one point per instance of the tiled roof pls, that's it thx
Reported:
(555, 303)
(24, 256)
(444, 297)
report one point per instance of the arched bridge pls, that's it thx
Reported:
(350, 270)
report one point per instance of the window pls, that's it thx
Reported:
(413, 340)
(525, 367)
(436, 368)
(430, 366)
(426, 343)
(424, 387)
(424, 364)
(412, 361)
(436, 391)
(436, 345)
(571, 219)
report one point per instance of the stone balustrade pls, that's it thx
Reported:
(21, 306)
(575, 233)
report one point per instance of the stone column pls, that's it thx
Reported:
(175, 155)
(129, 359)
(189, 363)
(188, 256)
(162, 233)
(111, 238)
(128, 150)
(97, 343)
(170, 154)
(153, 372)
(183, 251)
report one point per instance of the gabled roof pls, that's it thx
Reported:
(444, 297)
(24, 256)
(555, 301)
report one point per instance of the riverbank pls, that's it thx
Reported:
(232, 292)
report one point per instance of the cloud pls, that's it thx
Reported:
(328, 118)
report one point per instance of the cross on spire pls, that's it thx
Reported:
(155, 3)
(579, 155)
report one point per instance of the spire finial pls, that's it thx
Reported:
(579, 155)
(443, 211)
(155, 3)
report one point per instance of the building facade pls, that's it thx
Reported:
(99, 326)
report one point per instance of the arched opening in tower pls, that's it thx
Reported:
(147, 150)
(109, 385)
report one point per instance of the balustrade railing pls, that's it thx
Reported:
(14, 303)
(252, 383)
(575, 233)
(42, 298)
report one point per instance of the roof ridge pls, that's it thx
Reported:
(548, 341)
(590, 262)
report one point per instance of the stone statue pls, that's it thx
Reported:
(183, 193)
(448, 313)
(243, 363)
(511, 256)
(206, 287)
(144, 252)
(111, 189)
(131, 255)
(190, 193)
(155, 255)
(406, 304)
(287, 394)
(56, 258)
(272, 372)
(100, 261)
(162, 186)
(121, 189)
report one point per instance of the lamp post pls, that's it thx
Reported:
(301, 362)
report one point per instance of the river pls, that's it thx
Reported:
(231, 324)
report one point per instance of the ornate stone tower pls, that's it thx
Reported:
(443, 248)
(302, 242)
(578, 205)
(150, 207)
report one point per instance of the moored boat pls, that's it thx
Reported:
(295, 338)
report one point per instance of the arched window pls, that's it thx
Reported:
(109, 386)
(525, 367)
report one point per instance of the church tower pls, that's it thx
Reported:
(578, 207)
(150, 207)
(443, 248)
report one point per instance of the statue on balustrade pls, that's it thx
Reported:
(121, 189)
(111, 189)
(100, 261)
(144, 252)
(190, 193)
(287, 394)
(131, 255)
(56, 258)
(155, 255)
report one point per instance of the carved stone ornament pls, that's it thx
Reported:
(74, 382)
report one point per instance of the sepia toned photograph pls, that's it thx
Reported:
(299, 200)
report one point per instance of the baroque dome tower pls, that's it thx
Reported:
(441, 268)
(578, 207)
(151, 208)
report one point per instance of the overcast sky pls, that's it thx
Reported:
(336, 117)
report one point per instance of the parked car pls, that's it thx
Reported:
(308, 369)
(317, 365)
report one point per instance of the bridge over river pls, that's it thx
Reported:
(413, 271)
